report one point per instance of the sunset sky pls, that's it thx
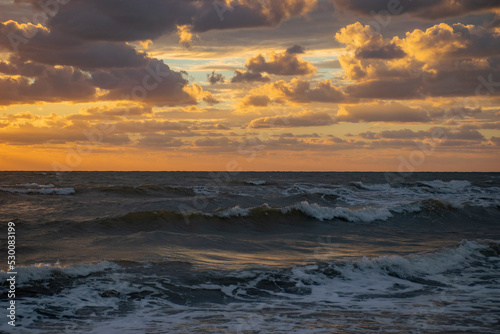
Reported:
(325, 85)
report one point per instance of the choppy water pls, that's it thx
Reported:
(254, 252)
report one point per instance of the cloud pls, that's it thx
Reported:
(185, 35)
(388, 51)
(306, 118)
(495, 140)
(146, 126)
(284, 63)
(381, 112)
(444, 60)
(215, 78)
(53, 68)
(247, 76)
(57, 48)
(129, 20)
(367, 43)
(297, 90)
(256, 100)
(426, 10)
(156, 140)
(116, 111)
(54, 85)
(247, 13)
(197, 92)
(440, 134)
(296, 49)
(25, 133)
(300, 91)
(222, 141)
(155, 84)
(398, 89)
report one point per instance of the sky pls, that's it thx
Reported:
(250, 85)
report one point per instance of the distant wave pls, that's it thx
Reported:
(35, 188)
(145, 189)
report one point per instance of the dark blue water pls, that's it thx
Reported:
(142, 252)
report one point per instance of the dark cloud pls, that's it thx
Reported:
(400, 88)
(491, 126)
(389, 51)
(52, 85)
(215, 78)
(129, 20)
(495, 140)
(423, 9)
(15, 66)
(114, 67)
(441, 134)
(120, 20)
(56, 48)
(248, 76)
(246, 14)
(296, 49)
(308, 118)
(156, 84)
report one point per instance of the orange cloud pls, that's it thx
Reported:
(443, 60)
(381, 112)
(185, 35)
(284, 63)
(305, 118)
(297, 90)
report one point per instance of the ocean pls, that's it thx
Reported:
(270, 252)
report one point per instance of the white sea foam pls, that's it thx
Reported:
(257, 182)
(205, 191)
(232, 212)
(456, 193)
(36, 185)
(452, 186)
(35, 188)
(326, 213)
(42, 271)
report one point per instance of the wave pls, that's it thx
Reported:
(456, 193)
(145, 189)
(353, 215)
(251, 182)
(449, 259)
(232, 212)
(452, 186)
(35, 188)
(264, 215)
(256, 183)
(375, 187)
(456, 281)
